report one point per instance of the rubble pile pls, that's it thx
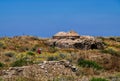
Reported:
(42, 71)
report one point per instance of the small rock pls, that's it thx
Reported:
(42, 67)
(74, 69)
(44, 62)
(66, 63)
(40, 64)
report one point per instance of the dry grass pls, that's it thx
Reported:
(21, 46)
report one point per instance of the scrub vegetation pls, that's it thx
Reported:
(92, 63)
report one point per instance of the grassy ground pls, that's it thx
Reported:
(20, 51)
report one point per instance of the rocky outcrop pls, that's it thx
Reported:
(84, 42)
(42, 71)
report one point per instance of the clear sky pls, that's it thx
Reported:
(46, 17)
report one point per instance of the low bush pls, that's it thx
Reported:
(9, 54)
(23, 49)
(105, 43)
(1, 79)
(98, 79)
(112, 51)
(22, 79)
(88, 64)
(62, 55)
(118, 39)
(112, 38)
(53, 49)
(101, 38)
(21, 62)
(52, 58)
(35, 47)
(117, 46)
(30, 53)
(115, 39)
(1, 64)
(2, 45)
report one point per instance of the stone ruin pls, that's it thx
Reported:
(62, 35)
(74, 40)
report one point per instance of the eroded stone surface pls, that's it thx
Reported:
(43, 70)
(84, 42)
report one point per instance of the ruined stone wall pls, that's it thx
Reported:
(77, 43)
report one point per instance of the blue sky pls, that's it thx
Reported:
(46, 17)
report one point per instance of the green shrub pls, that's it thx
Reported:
(1, 79)
(1, 64)
(30, 53)
(98, 79)
(53, 49)
(62, 55)
(1, 44)
(105, 43)
(9, 54)
(117, 46)
(21, 62)
(52, 58)
(112, 51)
(88, 64)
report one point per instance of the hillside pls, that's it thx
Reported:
(19, 57)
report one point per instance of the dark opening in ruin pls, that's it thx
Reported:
(93, 46)
(79, 46)
(54, 44)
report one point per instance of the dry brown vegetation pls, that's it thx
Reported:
(23, 50)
